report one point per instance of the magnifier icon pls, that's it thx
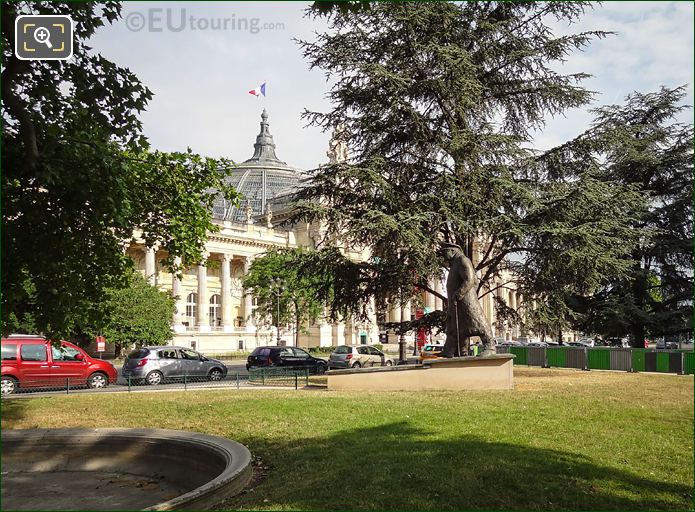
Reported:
(43, 36)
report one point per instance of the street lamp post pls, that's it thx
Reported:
(401, 340)
(276, 283)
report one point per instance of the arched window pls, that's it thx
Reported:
(215, 311)
(191, 307)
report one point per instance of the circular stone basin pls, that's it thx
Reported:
(117, 469)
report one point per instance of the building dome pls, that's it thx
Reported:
(260, 180)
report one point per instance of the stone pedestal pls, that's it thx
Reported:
(457, 373)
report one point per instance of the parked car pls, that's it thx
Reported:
(537, 344)
(34, 362)
(286, 357)
(357, 356)
(525, 340)
(155, 364)
(617, 342)
(431, 351)
(669, 342)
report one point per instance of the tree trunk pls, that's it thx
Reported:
(639, 289)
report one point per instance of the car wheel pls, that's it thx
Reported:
(154, 378)
(357, 365)
(97, 381)
(8, 385)
(388, 363)
(215, 374)
(321, 369)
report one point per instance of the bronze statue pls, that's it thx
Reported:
(464, 314)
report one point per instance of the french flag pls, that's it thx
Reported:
(258, 90)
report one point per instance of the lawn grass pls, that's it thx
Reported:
(562, 439)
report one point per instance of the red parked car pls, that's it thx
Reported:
(33, 362)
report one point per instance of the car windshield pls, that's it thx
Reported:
(139, 353)
(343, 350)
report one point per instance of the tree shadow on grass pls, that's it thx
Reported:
(13, 410)
(396, 466)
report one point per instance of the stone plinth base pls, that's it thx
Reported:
(457, 373)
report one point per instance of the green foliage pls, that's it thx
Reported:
(643, 148)
(276, 283)
(438, 101)
(78, 179)
(320, 350)
(138, 314)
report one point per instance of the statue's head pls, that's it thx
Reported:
(448, 251)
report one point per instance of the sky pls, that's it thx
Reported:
(201, 59)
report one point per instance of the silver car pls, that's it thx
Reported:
(358, 356)
(157, 363)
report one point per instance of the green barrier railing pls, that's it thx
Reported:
(555, 356)
(603, 358)
(598, 359)
(521, 354)
(292, 377)
(662, 362)
(638, 364)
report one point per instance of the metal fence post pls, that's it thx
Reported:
(306, 377)
(129, 377)
(237, 380)
(586, 358)
(262, 377)
(185, 381)
(296, 380)
(67, 386)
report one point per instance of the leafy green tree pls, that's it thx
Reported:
(79, 179)
(438, 101)
(275, 278)
(138, 314)
(643, 147)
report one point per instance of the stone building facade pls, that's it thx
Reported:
(214, 314)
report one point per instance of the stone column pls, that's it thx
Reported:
(338, 334)
(227, 322)
(430, 303)
(177, 292)
(439, 287)
(407, 311)
(203, 320)
(373, 324)
(151, 265)
(395, 313)
(349, 333)
(248, 300)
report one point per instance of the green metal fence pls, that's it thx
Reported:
(520, 353)
(638, 359)
(599, 359)
(604, 358)
(688, 363)
(290, 377)
(555, 356)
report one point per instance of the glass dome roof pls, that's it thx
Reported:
(260, 180)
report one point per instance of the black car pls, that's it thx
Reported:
(285, 357)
